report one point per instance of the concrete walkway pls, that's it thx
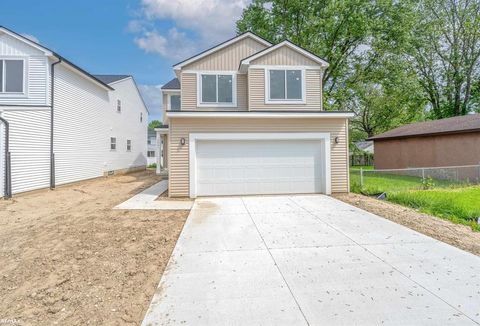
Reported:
(147, 199)
(310, 260)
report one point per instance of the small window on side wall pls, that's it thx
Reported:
(129, 145)
(113, 143)
(119, 106)
(12, 76)
(141, 116)
(175, 102)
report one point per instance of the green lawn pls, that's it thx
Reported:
(460, 205)
(453, 201)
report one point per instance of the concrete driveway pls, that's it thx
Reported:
(310, 260)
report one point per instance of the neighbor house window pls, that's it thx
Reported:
(141, 116)
(285, 85)
(217, 89)
(150, 153)
(11, 76)
(113, 143)
(129, 145)
(119, 106)
(175, 102)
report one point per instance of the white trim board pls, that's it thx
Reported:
(194, 137)
(252, 114)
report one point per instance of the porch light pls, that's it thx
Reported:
(182, 141)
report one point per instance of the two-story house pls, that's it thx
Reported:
(60, 124)
(246, 117)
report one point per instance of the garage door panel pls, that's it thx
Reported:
(237, 167)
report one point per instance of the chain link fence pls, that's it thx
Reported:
(370, 181)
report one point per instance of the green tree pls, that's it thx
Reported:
(445, 51)
(364, 42)
(154, 124)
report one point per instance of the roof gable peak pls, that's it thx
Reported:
(220, 46)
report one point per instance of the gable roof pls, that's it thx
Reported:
(108, 79)
(461, 124)
(173, 84)
(219, 47)
(245, 62)
(51, 53)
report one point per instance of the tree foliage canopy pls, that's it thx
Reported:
(391, 62)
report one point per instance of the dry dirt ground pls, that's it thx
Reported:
(457, 235)
(67, 258)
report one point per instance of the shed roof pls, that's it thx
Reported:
(461, 124)
(108, 79)
(173, 84)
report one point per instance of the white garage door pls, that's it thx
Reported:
(243, 167)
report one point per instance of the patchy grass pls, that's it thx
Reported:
(454, 201)
(461, 205)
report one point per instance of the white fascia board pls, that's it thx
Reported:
(221, 46)
(172, 91)
(250, 114)
(246, 62)
(26, 40)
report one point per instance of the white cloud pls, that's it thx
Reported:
(31, 38)
(152, 96)
(174, 44)
(211, 21)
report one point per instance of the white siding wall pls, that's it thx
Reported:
(29, 148)
(37, 72)
(86, 118)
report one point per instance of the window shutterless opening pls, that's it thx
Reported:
(113, 143)
(286, 86)
(216, 90)
(129, 145)
(12, 76)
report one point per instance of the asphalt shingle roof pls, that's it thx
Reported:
(466, 123)
(173, 84)
(107, 79)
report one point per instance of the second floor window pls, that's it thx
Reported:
(285, 85)
(11, 76)
(217, 89)
(175, 102)
(119, 106)
(129, 145)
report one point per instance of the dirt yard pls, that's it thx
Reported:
(457, 235)
(67, 258)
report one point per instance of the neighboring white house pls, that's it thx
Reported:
(152, 150)
(65, 124)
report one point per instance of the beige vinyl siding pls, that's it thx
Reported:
(182, 127)
(284, 56)
(227, 58)
(189, 93)
(165, 107)
(256, 82)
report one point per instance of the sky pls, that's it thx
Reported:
(143, 38)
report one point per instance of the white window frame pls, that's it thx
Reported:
(268, 100)
(169, 96)
(24, 92)
(129, 143)
(216, 104)
(113, 141)
(119, 106)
